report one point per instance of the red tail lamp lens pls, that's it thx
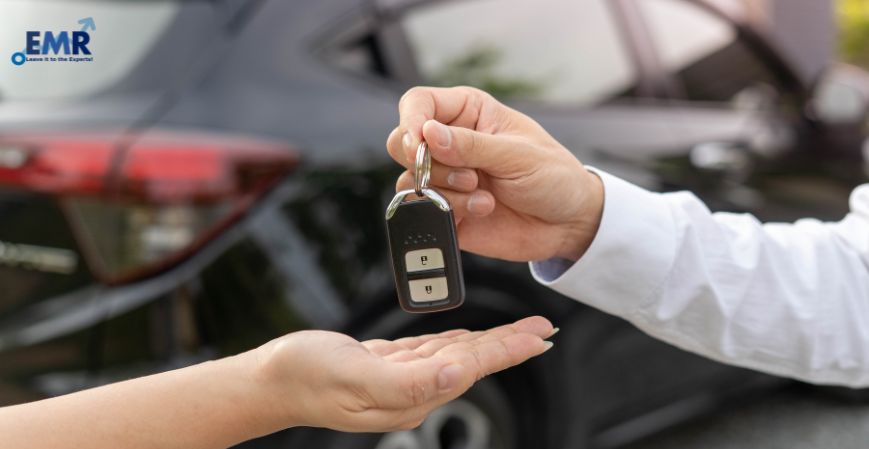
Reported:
(142, 206)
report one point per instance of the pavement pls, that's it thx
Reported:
(791, 419)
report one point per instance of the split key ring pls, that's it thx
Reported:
(422, 168)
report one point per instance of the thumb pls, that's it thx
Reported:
(499, 155)
(417, 383)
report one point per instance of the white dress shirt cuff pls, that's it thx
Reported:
(629, 258)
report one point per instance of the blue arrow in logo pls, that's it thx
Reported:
(88, 22)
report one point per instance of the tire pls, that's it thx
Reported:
(480, 419)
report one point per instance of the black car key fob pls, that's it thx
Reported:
(422, 242)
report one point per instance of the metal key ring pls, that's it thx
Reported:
(422, 168)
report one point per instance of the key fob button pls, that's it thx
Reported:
(427, 290)
(424, 259)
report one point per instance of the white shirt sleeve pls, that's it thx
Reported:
(787, 299)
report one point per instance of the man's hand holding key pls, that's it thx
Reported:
(783, 298)
(516, 193)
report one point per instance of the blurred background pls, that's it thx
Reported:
(216, 177)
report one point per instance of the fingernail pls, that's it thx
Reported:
(450, 376)
(554, 331)
(444, 137)
(407, 140)
(478, 204)
(459, 178)
(547, 345)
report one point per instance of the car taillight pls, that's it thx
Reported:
(141, 206)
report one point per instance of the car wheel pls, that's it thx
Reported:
(475, 421)
(480, 419)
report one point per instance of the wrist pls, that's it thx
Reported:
(579, 234)
(267, 389)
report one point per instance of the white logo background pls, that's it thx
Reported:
(124, 32)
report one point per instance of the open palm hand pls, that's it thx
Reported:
(331, 380)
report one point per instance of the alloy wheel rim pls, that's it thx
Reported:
(459, 423)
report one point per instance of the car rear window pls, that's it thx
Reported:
(552, 51)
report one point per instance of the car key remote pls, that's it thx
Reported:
(422, 242)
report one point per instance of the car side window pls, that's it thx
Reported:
(714, 64)
(567, 52)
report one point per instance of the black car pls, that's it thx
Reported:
(216, 177)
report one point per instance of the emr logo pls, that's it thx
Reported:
(61, 44)
(54, 43)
